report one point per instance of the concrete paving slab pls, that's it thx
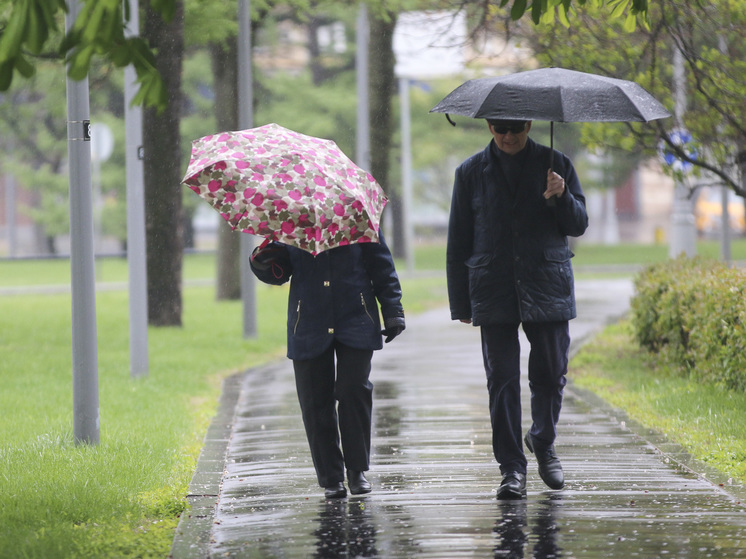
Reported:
(434, 476)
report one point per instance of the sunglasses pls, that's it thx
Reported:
(515, 129)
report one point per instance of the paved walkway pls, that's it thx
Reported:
(628, 493)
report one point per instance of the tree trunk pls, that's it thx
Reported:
(163, 172)
(225, 74)
(381, 86)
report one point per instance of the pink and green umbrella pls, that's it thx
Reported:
(285, 186)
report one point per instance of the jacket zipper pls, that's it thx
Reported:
(365, 308)
(297, 318)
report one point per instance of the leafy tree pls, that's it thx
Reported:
(709, 36)
(28, 26)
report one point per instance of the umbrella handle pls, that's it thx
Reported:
(448, 118)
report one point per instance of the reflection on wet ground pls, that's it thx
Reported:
(435, 479)
(345, 529)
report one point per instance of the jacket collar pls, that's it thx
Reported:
(491, 159)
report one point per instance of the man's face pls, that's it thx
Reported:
(508, 135)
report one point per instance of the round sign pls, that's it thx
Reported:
(102, 141)
(680, 138)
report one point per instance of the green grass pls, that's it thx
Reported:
(63, 500)
(644, 254)
(19, 273)
(707, 421)
(432, 256)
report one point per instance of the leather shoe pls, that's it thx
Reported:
(513, 486)
(357, 482)
(550, 468)
(335, 491)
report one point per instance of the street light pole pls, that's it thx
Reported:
(246, 120)
(83, 285)
(362, 40)
(683, 228)
(136, 243)
(406, 170)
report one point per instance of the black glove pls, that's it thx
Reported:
(270, 263)
(393, 326)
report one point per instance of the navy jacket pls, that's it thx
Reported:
(335, 296)
(508, 258)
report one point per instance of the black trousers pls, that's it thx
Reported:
(321, 384)
(547, 370)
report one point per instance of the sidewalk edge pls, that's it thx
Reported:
(192, 537)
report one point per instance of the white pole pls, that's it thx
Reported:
(246, 120)
(725, 244)
(10, 206)
(136, 243)
(406, 170)
(362, 38)
(84, 342)
(683, 227)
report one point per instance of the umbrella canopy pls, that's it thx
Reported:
(286, 186)
(553, 94)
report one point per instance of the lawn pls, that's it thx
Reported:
(706, 420)
(432, 256)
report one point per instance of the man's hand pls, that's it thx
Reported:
(555, 185)
(465, 320)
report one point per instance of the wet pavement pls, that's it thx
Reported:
(629, 493)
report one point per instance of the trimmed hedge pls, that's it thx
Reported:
(691, 312)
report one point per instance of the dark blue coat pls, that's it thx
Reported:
(508, 258)
(335, 296)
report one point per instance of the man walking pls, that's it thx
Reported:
(508, 264)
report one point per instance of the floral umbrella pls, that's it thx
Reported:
(286, 186)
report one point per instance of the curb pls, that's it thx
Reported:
(192, 538)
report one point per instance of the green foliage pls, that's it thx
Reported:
(28, 26)
(708, 35)
(206, 22)
(692, 313)
(708, 421)
(98, 30)
(545, 11)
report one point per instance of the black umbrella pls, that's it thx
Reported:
(552, 94)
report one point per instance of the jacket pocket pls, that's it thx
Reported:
(478, 261)
(479, 277)
(558, 263)
(365, 308)
(558, 254)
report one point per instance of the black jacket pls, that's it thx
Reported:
(508, 258)
(335, 295)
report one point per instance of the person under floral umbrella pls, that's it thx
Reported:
(333, 327)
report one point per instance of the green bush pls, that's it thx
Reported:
(691, 312)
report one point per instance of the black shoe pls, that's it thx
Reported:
(335, 491)
(357, 482)
(513, 486)
(550, 468)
